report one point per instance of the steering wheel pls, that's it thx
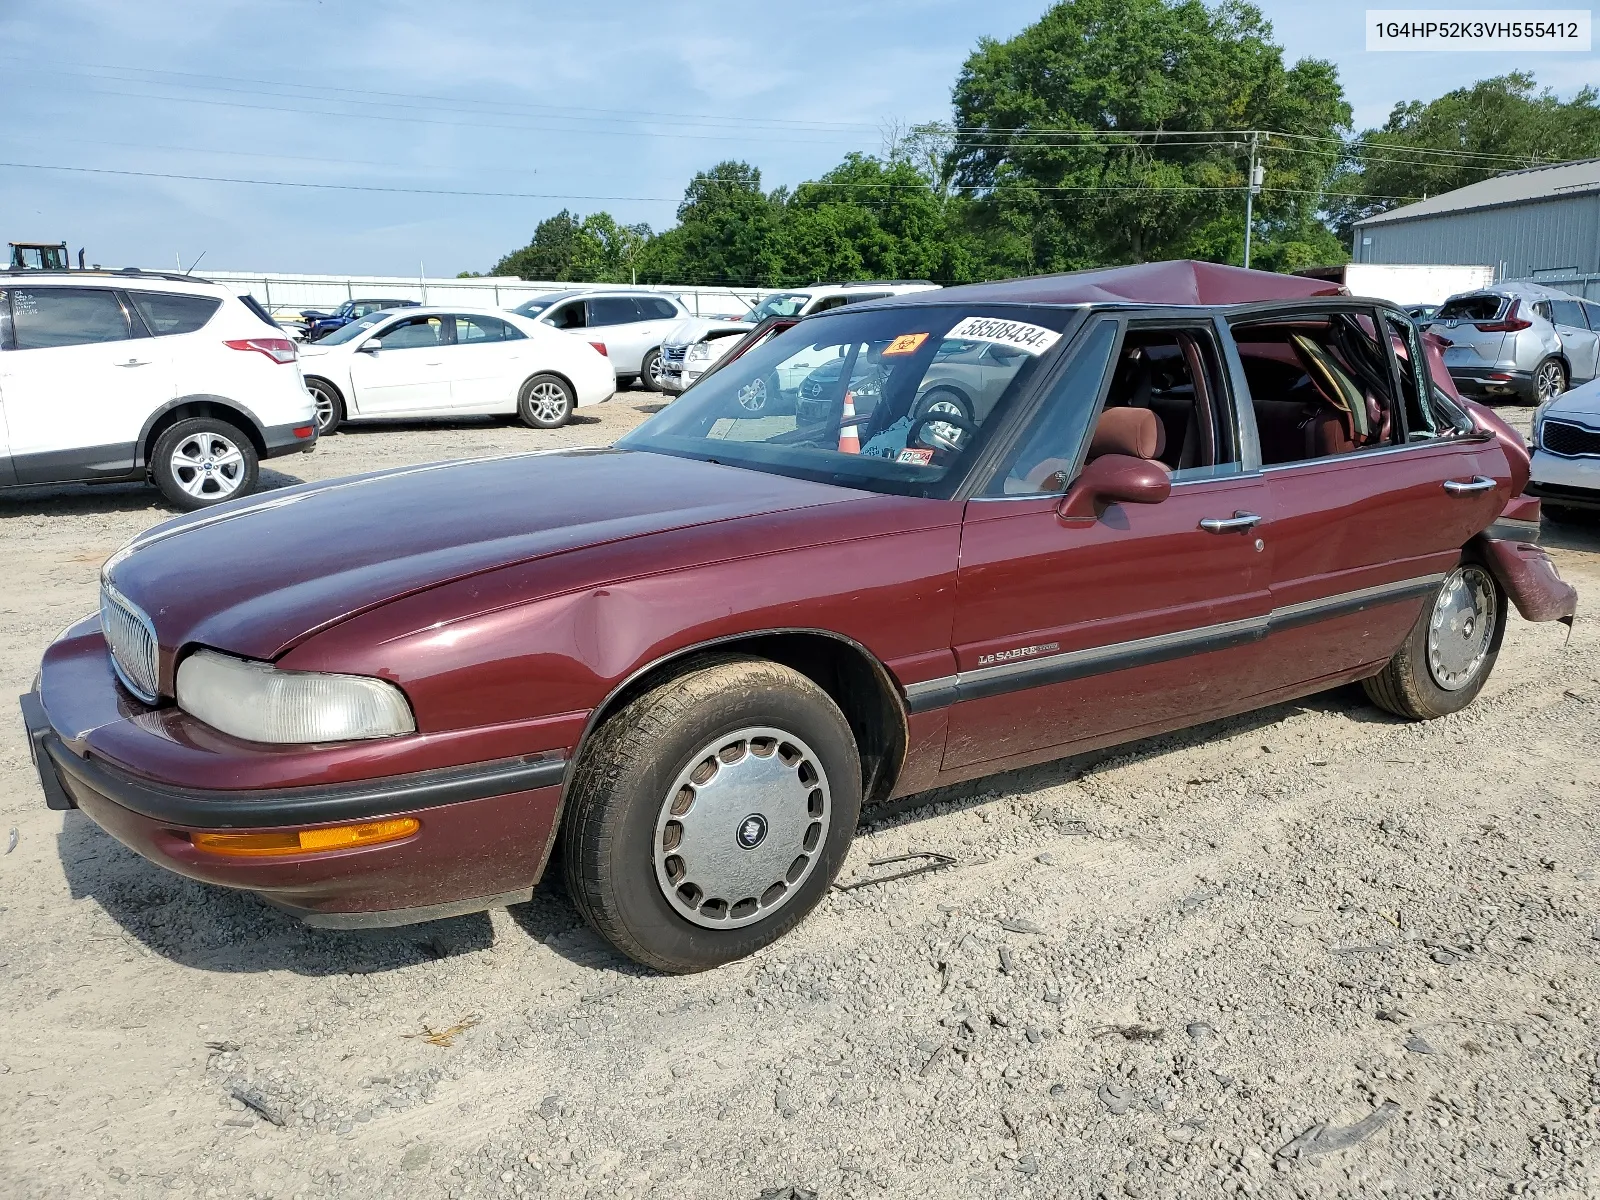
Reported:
(937, 441)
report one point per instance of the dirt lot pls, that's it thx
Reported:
(1151, 973)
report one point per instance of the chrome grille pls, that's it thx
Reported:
(673, 353)
(1563, 437)
(132, 640)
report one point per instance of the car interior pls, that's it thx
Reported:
(1319, 386)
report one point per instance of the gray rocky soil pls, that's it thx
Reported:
(1311, 952)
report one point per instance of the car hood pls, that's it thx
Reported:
(256, 577)
(692, 329)
(1579, 402)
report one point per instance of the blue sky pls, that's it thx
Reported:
(622, 100)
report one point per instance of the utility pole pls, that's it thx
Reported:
(1257, 172)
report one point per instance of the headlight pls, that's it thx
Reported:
(699, 352)
(258, 702)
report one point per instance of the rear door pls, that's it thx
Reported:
(617, 322)
(409, 375)
(1072, 635)
(484, 360)
(1578, 341)
(1365, 520)
(79, 380)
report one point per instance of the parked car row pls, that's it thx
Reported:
(118, 376)
(1188, 491)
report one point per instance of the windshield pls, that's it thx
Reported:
(893, 400)
(532, 308)
(355, 331)
(784, 304)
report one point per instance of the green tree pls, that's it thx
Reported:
(1464, 136)
(595, 249)
(729, 230)
(1052, 130)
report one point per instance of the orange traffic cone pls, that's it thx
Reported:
(849, 435)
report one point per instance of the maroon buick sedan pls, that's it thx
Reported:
(896, 546)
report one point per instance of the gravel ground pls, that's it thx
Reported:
(1309, 952)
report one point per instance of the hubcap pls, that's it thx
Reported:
(208, 466)
(1461, 627)
(742, 827)
(753, 395)
(1549, 381)
(548, 401)
(655, 369)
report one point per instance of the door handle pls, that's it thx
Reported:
(136, 362)
(1237, 523)
(1478, 483)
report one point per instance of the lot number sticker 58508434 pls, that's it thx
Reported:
(1033, 339)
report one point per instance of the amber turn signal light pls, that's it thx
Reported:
(305, 841)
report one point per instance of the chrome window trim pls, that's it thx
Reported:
(1043, 670)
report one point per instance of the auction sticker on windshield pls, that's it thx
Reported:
(1032, 339)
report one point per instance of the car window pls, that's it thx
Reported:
(1541, 308)
(478, 330)
(613, 310)
(860, 398)
(1480, 306)
(784, 304)
(830, 302)
(1568, 312)
(5, 319)
(165, 312)
(417, 333)
(567, 316)
(1592, 311)
(1050, 447)
(43, 318)
(1319, 386)
(1422, 422)
(654, 308)
(356, 331)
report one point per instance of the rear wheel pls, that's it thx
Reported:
(1447, 656)
(1549, 380)
(203, 461)
(711, 814)
(330, 408)
(546, 402)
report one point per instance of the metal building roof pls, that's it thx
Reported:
(1535, 183)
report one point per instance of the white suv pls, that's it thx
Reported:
(117, 376)
(626, 326)
(693, 345)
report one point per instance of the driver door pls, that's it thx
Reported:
(1071, 635)
(410, 372)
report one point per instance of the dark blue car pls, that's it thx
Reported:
(320, 324)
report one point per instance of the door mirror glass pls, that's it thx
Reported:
(1114, 479)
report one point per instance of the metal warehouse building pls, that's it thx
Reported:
(1542, 223)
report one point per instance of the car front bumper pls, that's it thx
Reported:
(484, 833)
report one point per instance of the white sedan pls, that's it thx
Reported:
(447, 362)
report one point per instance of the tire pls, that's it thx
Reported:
(330, 406)
(1561, 514)
(653, 767)
(1446, 658)
(650, 371)
(203, 461)
(1549, 380)
(546, 402)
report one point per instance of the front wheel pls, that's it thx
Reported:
(330, 408)
(1446, 658)
(203, 461)
(711, 814)
(650, 372)
(546, 402)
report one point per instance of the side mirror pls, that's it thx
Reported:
(1113, 479)
(370, 346)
